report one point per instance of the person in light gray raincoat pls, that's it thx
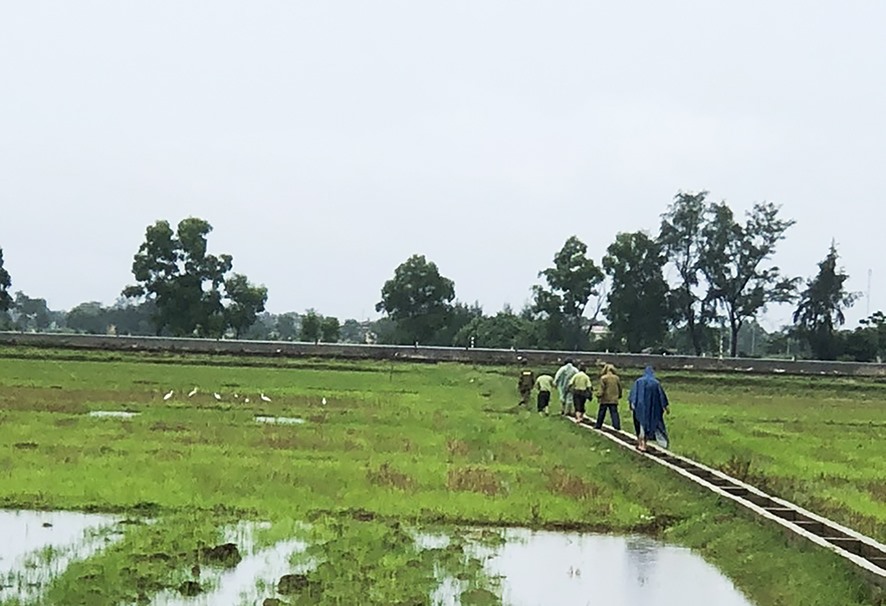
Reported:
(561, 380)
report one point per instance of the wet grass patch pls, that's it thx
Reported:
(569, 485)
(480, 480)
(386, 475)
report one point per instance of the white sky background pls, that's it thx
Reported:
(327, 141)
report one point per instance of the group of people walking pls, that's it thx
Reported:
(647, 399)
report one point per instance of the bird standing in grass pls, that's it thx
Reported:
(169, 395)
(192, 392)
(264, 398)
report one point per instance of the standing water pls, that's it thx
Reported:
(37, 546)
(573, 569)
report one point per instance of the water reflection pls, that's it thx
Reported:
(542, 568)
(254, 577)
(533, 568)
(38, 546)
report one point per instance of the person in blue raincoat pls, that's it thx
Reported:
(649, 403)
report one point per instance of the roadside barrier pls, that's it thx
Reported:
(432, 354)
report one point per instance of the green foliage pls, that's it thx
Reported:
(174, 270)
(570, 284)
(121, 319)
(418, 299)
(330, 330)
(638, 308)
(5, 285)
(189, 287)
(732, 259)
(31, 314)
(287, 326)
(246, 302)
(311, 327)
(821, 307)
(867, 343)
(90, 317)
(501, 331)
(681, 237)
(352, 332)
(459, 316)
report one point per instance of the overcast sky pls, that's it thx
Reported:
(327, 141)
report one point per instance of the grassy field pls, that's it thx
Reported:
(426, 445)
(819, 442)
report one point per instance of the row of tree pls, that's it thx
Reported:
(724, 269)
(725, 279)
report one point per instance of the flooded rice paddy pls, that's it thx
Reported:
(529, 567)
(35, 547)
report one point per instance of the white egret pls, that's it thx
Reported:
(169, 395)
(192, 392)
(264, 398)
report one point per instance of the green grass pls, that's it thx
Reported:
(819, 442)
(420, 444)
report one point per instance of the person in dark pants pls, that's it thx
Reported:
(525, 383)
(608, 396)
(545, 385)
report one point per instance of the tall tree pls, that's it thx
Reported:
(732, 262)
(459, 316)
(173, 269)
(287, 326)
(418, 299)
(90, 317)
(681, 235)
(311, 327)
(638, 306)
(867, 343)
(246, 301)
(5, 285)
(129, 319)
(190, 289)
(352, 332)
(330, 329)
(31, 314)
(821, 307)
(5, 299)
(570, 284)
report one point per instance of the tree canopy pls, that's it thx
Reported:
(681, 237)
(418, 299)
(821, 306)
(188, 286)
(570, 284)
(638, 306)
(732, 261)
(5, 285)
